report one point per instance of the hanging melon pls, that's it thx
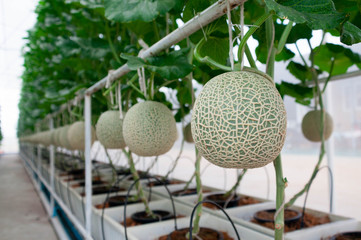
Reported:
(239, 120)
(63, 137)
(76, 135)
(109, 130)
(149, 129)
(311, 126)
(187, 133)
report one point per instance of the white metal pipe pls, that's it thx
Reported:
(52, 169)
(337, 77)
(88, 164)
(202, 19)
(330, 151)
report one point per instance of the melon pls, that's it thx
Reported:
(149, 129)
(187, 133)
(63, 137)
(109, 130)
(311, 126)
(76, 135)
(239, 120)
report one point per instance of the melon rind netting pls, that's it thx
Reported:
(109, 130)
(239, 121)
(149, 129)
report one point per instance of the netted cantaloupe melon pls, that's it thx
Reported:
(239, 120)
(76, 135)
(311, 126)
(63, 137)
(109, 130)
(187, 133)
(149, 129)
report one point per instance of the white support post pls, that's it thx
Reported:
(88, 165)
(39, 165)
(52, 170)
(330, 151)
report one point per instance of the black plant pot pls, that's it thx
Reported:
(94, 182)
(187, 192)
(119, 200)
(270, 216)
(222, 201)
(161, 183)
(106, 189)
(143, 218)
(347, 236)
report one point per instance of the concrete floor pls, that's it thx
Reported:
(22, 215)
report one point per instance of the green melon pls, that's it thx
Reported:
(311, 126)
(187, 133)
(76, 135)
(109, 130)
(149, 129)
(46, 138)
(63, 137)
(239, 120)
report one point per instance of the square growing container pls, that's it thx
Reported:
(113, 229)
(244, 215)
(96, 220)
(156, 230)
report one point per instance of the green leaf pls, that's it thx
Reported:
(300, 71)
(193, 7)
(299, 31)
(301, 94)
(285, 55)
(343, 57)
(133, 62)
(320, 14)
(171, 66)
(350, 34)
(215, 48)
(136, 10)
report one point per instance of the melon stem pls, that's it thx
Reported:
(114, 171)
(322, 129)
(199, 192)
(138, 185)
(280, 181)
(235, 186)
(175, 163)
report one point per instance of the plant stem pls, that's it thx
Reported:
(112, 166)
(155, 29)
(249, 56)
(255, 26)
(152, 165)
(329, 75)
(322, 150)
(107, 32)
(207, 59)
(280, 181)
(308, 184)
(199, 192)
(138, 185)
(176, 160)
(189, 181)
(284, 37)
(280, 195)
(235, 186)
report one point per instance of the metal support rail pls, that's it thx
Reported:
(202, 19)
